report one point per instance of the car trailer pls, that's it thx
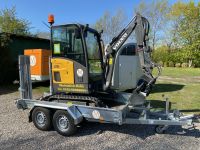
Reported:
(65, 116)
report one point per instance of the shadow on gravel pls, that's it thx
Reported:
(159, 88)
(142, 131)
(6, 89)
(11, 88)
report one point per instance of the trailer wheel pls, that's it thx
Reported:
(160, 129)
(41, 118)
(63, 123)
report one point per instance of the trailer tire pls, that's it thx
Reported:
(63, 123)
(41, 118)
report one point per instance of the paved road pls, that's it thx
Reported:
(17, 133)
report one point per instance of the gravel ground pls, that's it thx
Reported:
(17, 133)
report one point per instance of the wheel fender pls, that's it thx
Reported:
(30, 115)
(76, 114)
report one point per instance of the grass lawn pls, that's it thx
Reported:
(181, 86)
(180, 72)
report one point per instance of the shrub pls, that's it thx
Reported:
(171, 64)
(193, 66)
(161, 63)
(165, 64)
(184, 65)
(160, 54)
(178, 65)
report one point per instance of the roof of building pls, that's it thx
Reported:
(23, 36)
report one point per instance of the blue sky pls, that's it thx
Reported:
(67, 11)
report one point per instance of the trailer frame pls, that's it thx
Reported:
(124, 114)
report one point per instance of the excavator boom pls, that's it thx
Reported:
(141, 27)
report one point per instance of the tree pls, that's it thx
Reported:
(10, 23)
(160, 55)
(111, 24)
(156, 12)
(187, 16)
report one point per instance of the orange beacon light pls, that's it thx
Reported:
(51, 19)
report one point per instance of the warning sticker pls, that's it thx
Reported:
(32, 60)
(79, 72)
(96, 114)
(56, 48)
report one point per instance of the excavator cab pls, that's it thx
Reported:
(76, 63)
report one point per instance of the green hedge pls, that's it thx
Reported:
(176, 57)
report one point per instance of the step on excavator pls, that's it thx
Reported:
(91, 82)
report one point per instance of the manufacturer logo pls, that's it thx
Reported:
(79, 72)
(96, 114)
(120, 41)
(32, 60)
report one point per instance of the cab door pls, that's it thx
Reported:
(95, 60)
(69, 67)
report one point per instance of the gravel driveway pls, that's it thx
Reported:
(17, 133)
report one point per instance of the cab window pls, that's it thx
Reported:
(67, 42)
(129, 50)
(93, 49)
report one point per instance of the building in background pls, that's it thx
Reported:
(13, 46)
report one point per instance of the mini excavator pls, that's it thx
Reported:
(81, 66)
(93, 83)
